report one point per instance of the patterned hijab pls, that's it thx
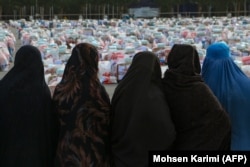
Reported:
(83, 107)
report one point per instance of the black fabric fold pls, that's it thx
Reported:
(27, 125)
(140, 119)
(201, 122)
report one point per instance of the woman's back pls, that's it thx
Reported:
(231, 87)
(200, 121)
(27, 125)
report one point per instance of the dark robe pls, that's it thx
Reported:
(83, 108)
(200, 121)
(27, 124)
(140, 120)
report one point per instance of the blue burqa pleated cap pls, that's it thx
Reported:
(218, 50)
(232, 87)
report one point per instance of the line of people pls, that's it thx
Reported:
(190, 108)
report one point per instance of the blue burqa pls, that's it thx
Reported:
(232, 88)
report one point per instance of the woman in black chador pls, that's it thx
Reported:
(200, 121)
(26, 121)
(140, 119)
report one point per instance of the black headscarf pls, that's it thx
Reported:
(26, 121)
(83, 108)
(184, 61)
(200, 121)
(141, 119)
